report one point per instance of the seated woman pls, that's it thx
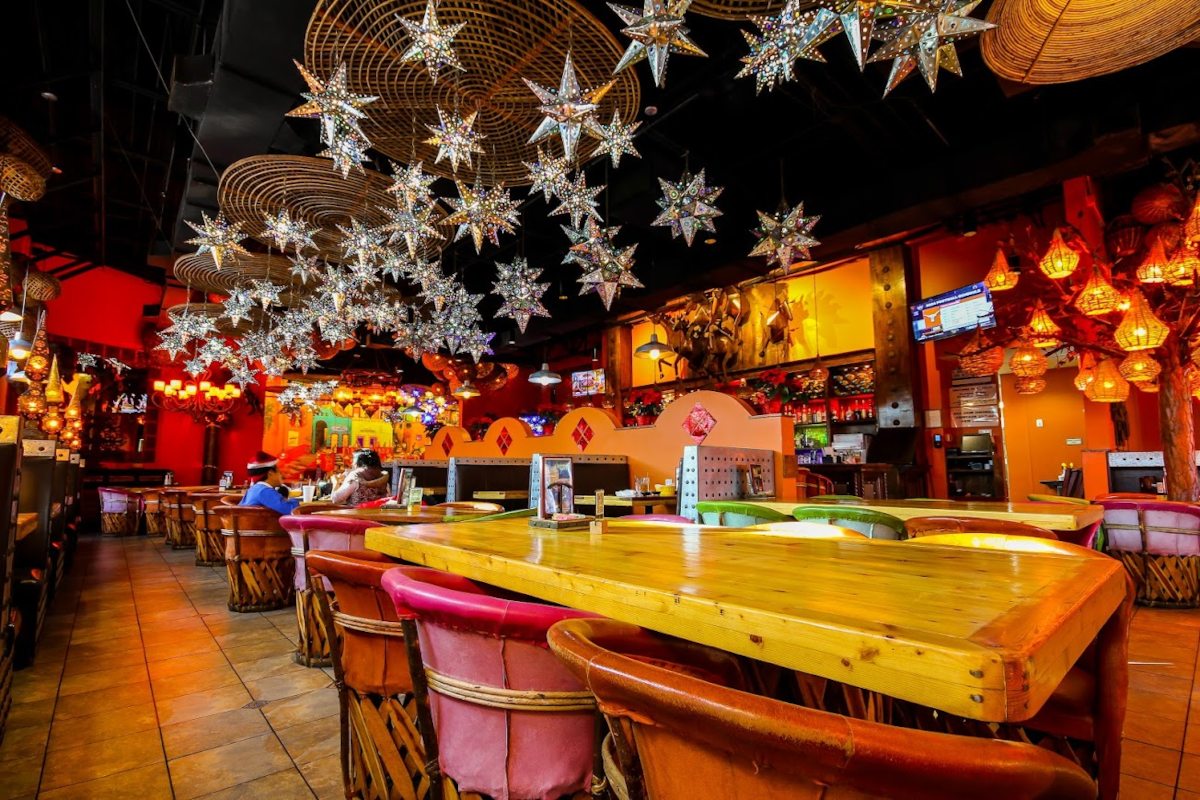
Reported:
(267, 485)
(366, 482)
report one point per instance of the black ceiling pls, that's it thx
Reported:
(871, 166)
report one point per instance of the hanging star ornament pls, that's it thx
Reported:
(287, 232)
(785, 237)
(567, 111)
(656, 32)
(340, 112)
(431, 42)
(687, 206)
(485, 213)
(606, 269)
(455, 138)
(412, 185)
(547, 175)
(858, 18)
(516, 282)
(578, 200)
(782, 39)
(924, 39)
(361, 243)
(238, 305)
(616, 139)
(305, 267)
(412, 225)
(218, 236)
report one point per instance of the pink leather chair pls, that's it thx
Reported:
(315, 532)
(510, 720)
(1159, 543)
(119, 511)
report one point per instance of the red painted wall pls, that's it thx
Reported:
(104, 306)
(181, 443)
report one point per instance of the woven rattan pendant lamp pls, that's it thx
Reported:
(1058, 41)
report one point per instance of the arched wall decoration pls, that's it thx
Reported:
(502, 43)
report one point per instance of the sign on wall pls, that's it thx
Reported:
(974, 403)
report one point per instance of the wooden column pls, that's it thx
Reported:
(893, 340)
(618, 362)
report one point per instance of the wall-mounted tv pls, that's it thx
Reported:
(953, 313)
(587, 382)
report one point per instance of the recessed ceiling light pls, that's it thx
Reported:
(50, 96)
(650, 111)
(56, 170)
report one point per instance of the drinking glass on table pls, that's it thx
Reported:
(308, 492)
(641, 484)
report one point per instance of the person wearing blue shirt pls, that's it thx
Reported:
(265, 491)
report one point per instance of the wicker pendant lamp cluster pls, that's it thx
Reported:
(1140, 329)
(1087, 371)
(1098, 296)
(1060, 259)
(1140, 367)
(1109, 386)
(1028, 386)
(1027, 361)
(1181, 269)
(980, 356)
(1001, 277)
(1044, 331)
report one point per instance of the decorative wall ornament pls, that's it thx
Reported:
(785, 236)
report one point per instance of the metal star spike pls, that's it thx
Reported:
(578, 200)
(411, 225)
(482, 212)
(858, 19)
(782, 237)
(785, 37)
(656, 32)
(925, 39)
(285, 231)
(431, 42)
(616, 139)
(548, 174)
(361, 243)
(330, 100)
(455, 138)
(687, 206)
(567, 111)
(517, 284)
(413, 186)
(219, 237)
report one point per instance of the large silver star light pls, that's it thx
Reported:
(218, 236)
(516, 282)
(606, 269)
(578, 200)
(287, 232)
(431, 42)
(340, 112)
(412, 185)
(548, 174)
(362, 243)
(266, 293)
(482, 212)
(783, 38)
(238, 305)
(687, 206)
(925, 39)
(455, 138)
(411, 225)
(616, 139)
(305, 267)
(858, 18)
(567, 111)
(656, 32)
(785, 237)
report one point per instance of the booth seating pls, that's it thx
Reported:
(733, 514)
(39, 553)
(62, 539)
(258, 558)
(508, 719)
(428, 473)
(180, 519)
(382, 752)
(466, 476)
(120, 511)
(927, 526)
(589, 474)
(10, 622)
(210, 544)
(317, 533)
(874, 524)
(1159, 543)
(1088, 707)
(152, 509)
(688, 736)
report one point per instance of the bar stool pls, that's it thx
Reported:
(927, 526)
(1159, 543)
(510, 720)
(734, 514)
(691, 737)
(258, 558)
(382, 752)
(210, 544)
(867, 521)
(317, 533)
(120, 510)
(180, 519)
(151, 506)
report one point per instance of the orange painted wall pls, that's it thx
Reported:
(1037, 453)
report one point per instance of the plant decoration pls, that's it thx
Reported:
(644, 405)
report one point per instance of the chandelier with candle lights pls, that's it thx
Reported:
(205, 401)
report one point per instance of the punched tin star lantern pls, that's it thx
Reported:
(1140, 329)
(1060, 259)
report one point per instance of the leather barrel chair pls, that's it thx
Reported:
(382, 753)
(120, 510)
(210, 544)
(258, 558)
(152, 505)
(869, 522)
(315, 532)
(180, 518)
(690, 737)
(1159, 543)
(508, 719)
(733, 514)
(927, 526)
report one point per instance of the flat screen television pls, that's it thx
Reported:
(587, 382)
(953, 313)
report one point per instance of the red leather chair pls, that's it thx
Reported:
(927, 526)
(1158, 541)
(510, 720)
(315, 532)
(382, 752)
(695, 738)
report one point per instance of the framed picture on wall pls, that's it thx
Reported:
(558, 488)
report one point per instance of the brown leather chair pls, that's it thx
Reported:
(475, 506)
(382, 753)
(695, 738)
(307, 509)
(180, 518)
(152, 505)
(210, 544)
(927, 526)
(810, 484)
(258, 558)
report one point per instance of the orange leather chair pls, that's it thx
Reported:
(258, 558)
(926, 526)
(1089, 705)
(695, 738)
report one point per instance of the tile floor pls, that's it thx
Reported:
(146, 684)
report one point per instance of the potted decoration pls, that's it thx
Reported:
(772, 390)
(644, 405)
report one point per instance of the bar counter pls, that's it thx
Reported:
(978, 633)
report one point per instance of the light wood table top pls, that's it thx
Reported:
(501, 494)
(643, 501)
(1052, 516)
(26, 524)
(397, 516)
(978, 633)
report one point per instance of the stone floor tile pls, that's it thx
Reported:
(229, 765)
(36, 712)
(184, 646)
(192, 682)
(201, 704)
(86, 762)
(181, 665)
(150, 782)
(92, 681)
(79, 665)
(19, 779)
(214, 730)
(87, 703)
(287, 684)
(1151, 763)
(324, 777)
(286, 785)
(103, 726)
(302, 708)
(23, 744)
(310, 741)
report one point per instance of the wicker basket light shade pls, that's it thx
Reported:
(1191, 226)
(19, 179)
(501, 43)
(1087, 371)
(42, 286)
(1140, 367)
(1192, 376)
(980, 356)
(1029, 386)
(1154, 268)
(1058, 41)
(199, 272)
(1001, 277)
(1027, 361)
(15, 141)
(1140, 329)
(1149, 387)
(1109, 386)
(1060, 259)
(1044, 331)
(1182, 268)
(1097, 297)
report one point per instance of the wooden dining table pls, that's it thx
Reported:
(1066, 517)
(978, 633)
(398, 516)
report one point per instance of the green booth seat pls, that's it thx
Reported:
(1058, 498)
(874, 524)
(732, 514)
(839, 498)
